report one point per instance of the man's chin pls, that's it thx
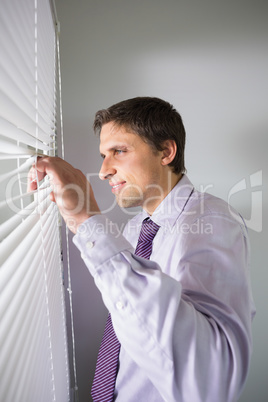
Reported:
(128, 202)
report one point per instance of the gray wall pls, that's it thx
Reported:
(208, 58)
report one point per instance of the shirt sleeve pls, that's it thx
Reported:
(190, 335)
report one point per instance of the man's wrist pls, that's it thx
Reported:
(75, 222)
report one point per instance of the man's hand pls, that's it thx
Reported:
(70, 189)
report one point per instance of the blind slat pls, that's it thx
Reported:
(11, 148)
(4, 157)
(13, 223)
(31, 353)
(13, 97)
(9, 130)
(21, 44)
(13, 109)
(22, 168)
(27, 298)
(20, 239)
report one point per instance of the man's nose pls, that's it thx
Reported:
(106, 171)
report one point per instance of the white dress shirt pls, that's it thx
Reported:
(183, 318)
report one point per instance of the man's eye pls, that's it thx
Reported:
(119, 151)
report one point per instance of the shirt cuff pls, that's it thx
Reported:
(98, 240)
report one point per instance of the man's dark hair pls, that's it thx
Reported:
(153, 119)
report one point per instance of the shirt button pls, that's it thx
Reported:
(89, 245)
(119, 305)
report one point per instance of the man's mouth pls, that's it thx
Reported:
(116, 187)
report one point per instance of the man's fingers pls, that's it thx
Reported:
(52, 197)
(36, 173)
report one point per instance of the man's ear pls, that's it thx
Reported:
(168, 152)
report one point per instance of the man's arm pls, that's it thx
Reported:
(191, 337)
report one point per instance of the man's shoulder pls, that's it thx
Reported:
(208, 207)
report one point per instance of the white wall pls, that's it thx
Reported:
(209, 58)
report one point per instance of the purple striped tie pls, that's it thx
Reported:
(107, 363)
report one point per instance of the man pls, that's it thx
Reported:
(182, 313)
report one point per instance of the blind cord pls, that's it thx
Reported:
(69, 283)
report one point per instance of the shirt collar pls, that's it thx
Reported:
(173, 204)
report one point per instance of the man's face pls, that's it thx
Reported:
(133, 168)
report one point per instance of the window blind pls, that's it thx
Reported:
(33, 342)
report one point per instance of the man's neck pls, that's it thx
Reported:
(171, 181)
